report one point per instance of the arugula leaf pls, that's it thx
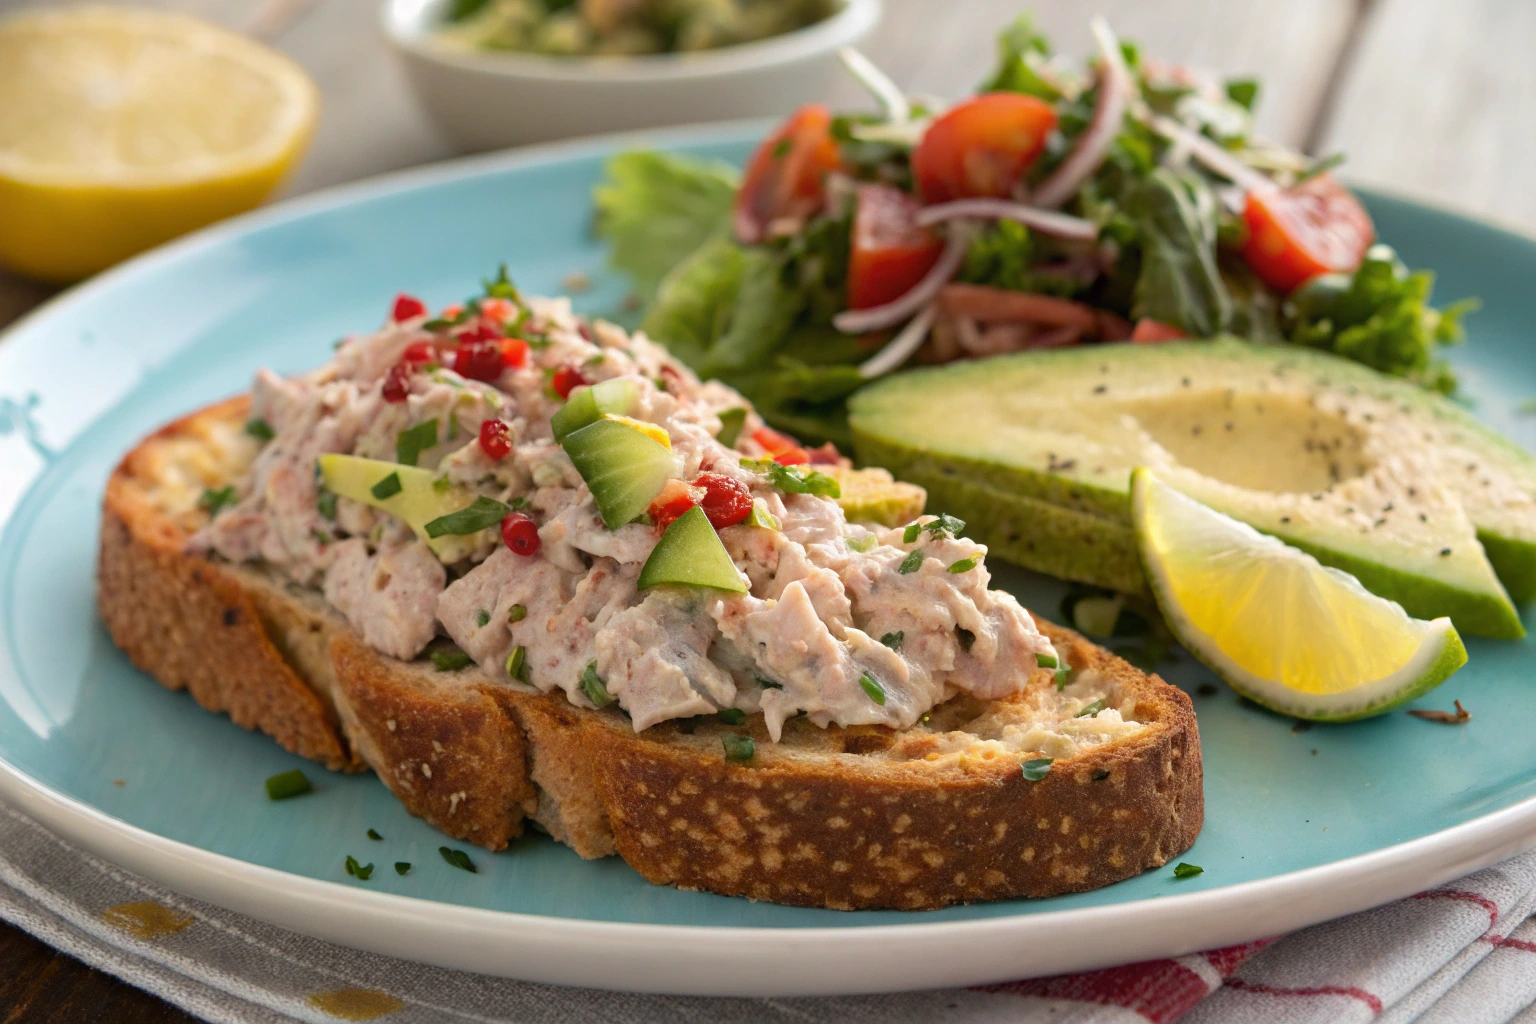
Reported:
(1003, 255)
(1179, 282)
(654, 209)
(1022, 48)
(763, 310)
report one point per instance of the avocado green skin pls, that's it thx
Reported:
(1452, 657)
(1105, 555)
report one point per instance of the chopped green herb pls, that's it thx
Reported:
(769, 684)
(402, 866)
(732, 716)
(762, 518)
(321, 537)
(1063, 677)
(738, 748)
(518, 503)
(482, 515)
(941, 525)
(326, 503)
(592, 685)
(1183, 870)
(1037, 768)
(911, 563)
(1243, 91)
(911, 533)
(386, 488)
(1046, 660)
(442, 484)
(411, 443)
(359, 871)
(374, 836)
(731, 422)
(501, 287)
(862, 544)
(450, 659)
(214, 501)
(458, 859)
(517, 613)
(893, 640)
(1092, 710)
(482, 618)
(872, 686)
(1322, 166)
(288, 784)
(782, 148)
(964, 565)
(260, 429)
(517, 664)
(795, 479)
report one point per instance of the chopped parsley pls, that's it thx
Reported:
(517, 664)
(592, 685)
(1063, 677)
(374, 836)
(450, 659)
(940, 526)
(260, 429)
(872, 686)
(386, 488)
(1046, 660)
(964, 565)
(731, 422)
(738, 748)
(893, 640)
(911, 563)
(361, 872)
(862, 544)
(442, 484)
(411, 443)
(402, 866)
(482, 515)
(288, 784)
(501, 287)
(517, 613)
(762, 518)
(215, 500)
(458, 859)
(732, 716)
(1092, 710)
(1037, 768)
(795, 479)
(326, 504)
(1183, 870)
(482, 618)
(769, 684)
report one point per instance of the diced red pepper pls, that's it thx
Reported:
(521, 534)
(675, 499)
(567, 379)
(397, 382)
(781, 448)
(407, 307)
(1149, 332)
(514, 352)
(496, 439)
(726, 502)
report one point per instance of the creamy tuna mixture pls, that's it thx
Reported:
(832, 606)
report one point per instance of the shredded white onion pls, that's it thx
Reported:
(891, 98)
(1047, 222)
(1212, 155)
(857, 321)
(1115, 87)
(900, 348)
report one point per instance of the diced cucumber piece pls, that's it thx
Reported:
(416, 497)
(690, 553)
(623, 468)
(591, 404)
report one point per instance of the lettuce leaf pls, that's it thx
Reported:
(654, 209)
(1179, 284)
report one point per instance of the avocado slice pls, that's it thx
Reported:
(413, 495)
(691, 553)
(609, 397)
(1369, 474)
(623, 468)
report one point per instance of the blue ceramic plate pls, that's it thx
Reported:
(1300, 825)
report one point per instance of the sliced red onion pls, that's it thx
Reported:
(1087, 157)
(900, 348)
(1047, 222)
(1216, 157)
(857, 321)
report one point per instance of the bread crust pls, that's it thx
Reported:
(834, 821)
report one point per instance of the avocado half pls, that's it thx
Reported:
(1370, 474)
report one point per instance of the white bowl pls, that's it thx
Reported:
(487, 100)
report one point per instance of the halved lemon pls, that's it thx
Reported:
(1283, 630)
(122, 128)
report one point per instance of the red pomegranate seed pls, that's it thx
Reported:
(478, 360)
(675, 499)
(514, 352)
(521, 534)
(726, 502)
(496, 439)
(419, 353)
(567, 379)
(397, 383)
(479, 332)
(780, 447)
(406, 307)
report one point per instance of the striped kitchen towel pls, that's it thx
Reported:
(1461, 954)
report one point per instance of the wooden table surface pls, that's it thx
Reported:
(1430, 98)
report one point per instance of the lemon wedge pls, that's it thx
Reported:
(122, 128)
(1283, 630)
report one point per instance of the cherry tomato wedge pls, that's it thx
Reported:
(784, 178)
(1149, 331)
(891, 253)
(1318, 227)
(981, 147)
(781, 448)
(726, 502)
(675, 499)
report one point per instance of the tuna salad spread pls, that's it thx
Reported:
(572, 508)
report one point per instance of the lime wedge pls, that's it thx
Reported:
(1279, 627)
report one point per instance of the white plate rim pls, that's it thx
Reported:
(734, 961)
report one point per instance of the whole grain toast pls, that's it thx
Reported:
(846, 818)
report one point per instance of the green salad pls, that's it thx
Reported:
(569, 28)
(1124, 200)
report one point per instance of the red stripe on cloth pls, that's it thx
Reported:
(1230, 958)
(1503, 940)
(1160, 990)
(1321, 990)
(1466, 897)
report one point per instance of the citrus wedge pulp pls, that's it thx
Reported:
(122, 128)
(1280, 628)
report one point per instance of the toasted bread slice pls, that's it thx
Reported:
(847, 818)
